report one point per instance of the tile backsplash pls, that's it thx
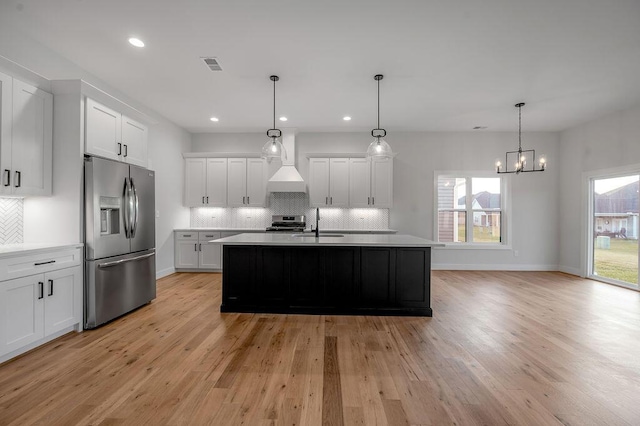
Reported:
(11, 220)
(288, 203)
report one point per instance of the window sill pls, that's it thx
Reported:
(471, 246)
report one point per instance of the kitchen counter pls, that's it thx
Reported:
(348, 240)
(205, 229)
(357, 274)
(10, 250)
(332, 231)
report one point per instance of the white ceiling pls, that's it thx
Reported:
(448, 65)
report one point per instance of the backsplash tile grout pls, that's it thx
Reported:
(288, 204)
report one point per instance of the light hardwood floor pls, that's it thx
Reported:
(502, 348)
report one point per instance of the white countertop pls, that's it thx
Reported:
(8, 250)
(375, 240)
(332, 231)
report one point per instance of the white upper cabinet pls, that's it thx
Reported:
(371, 182)
(359, 182)
(246, 182)
(256, 182)
(205, 182)
(110, 134)
(26, 138)
(382, 182)
(195, 182)
(134, 142)
(103, 131)
(237, 182)
(329, 182)
(6, 94)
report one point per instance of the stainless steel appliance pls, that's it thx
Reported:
(120, 265)
(281, 223)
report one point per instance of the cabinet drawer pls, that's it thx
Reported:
(187, 235)
(208, 236)
(22, 266)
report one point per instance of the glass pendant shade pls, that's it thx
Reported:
(272, 149)
(379, 148)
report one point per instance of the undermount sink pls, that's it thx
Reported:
(313, 236)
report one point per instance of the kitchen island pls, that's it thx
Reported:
(350, 274)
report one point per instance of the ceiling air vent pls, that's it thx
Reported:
(212, 63)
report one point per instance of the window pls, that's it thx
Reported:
(470, 208)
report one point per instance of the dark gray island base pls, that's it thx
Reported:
(326, 279)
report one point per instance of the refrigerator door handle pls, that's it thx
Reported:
(126, 211)
(135, 209)
(120, 262)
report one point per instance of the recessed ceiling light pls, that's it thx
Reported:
(346, 118)
(214, 119)
(136, 42)
(283, 118)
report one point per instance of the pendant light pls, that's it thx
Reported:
(520, 157)
(379, 147)
(273, 147)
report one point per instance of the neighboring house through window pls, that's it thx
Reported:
(471, 208)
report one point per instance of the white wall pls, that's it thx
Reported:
(535, 207)
(608, 142)
(36, 63)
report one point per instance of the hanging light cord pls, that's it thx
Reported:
(519, 129)
(274, 103)
(378, 104)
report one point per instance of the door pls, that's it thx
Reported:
(210, 255)
(359, 182)
(186, 255)
(614, 212)
(382, 182)
(105, 207)
(118, 285)
(413, 277)
(237, 182)
(339, 182)
(103, 131)
(377, 274)
(62, 308)
(134, 142)
(195, 181)
(144, 230)
(32, 141)
(21, 312)
(216, 193)
(6, 94)
(319, 182)
(256, 182)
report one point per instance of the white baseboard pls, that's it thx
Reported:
(163, 273)
(491, 267)
(570, 270)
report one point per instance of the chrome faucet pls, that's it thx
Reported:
(317, 219)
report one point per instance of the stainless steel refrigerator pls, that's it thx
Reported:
(120, 264)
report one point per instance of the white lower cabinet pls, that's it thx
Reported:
(193, 250)
(39, 307)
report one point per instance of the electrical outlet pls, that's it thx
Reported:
(516, 253)
(157, 213)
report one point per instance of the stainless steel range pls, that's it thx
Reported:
(281, 223)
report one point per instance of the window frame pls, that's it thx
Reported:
(505, 210)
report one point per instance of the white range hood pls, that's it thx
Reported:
(287, 178)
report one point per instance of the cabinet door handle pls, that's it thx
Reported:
(195, 247)
(243, 199)
(7, 177)
(331, 200)
(119, 148)
(326, 201)
(248, 198)
(44, 263)
(202, 200)
(50, 288)
(41, 286)
(126, 150)
(18, 179)
(207, 199)
(368, 200)
(373, 201)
